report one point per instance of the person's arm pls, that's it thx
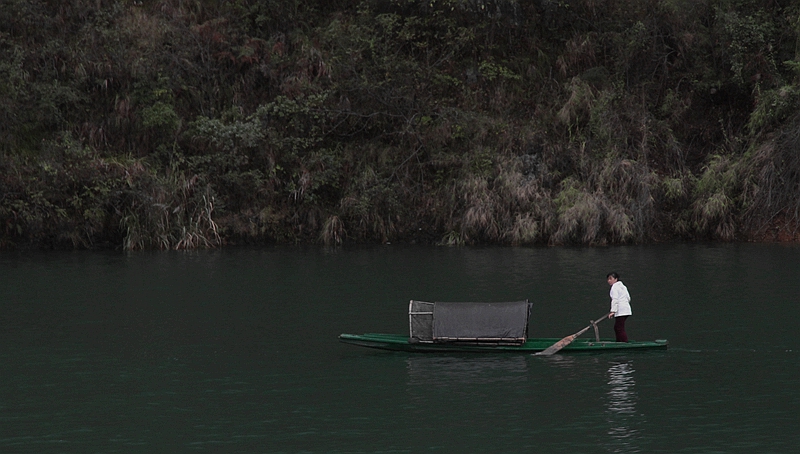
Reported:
(614, 300)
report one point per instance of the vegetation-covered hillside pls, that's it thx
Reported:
(195, 123)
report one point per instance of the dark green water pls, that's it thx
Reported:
(236, 351)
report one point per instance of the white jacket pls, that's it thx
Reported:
(620, 300)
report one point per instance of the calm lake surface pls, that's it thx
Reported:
(236, 351)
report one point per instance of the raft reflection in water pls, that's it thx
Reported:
(449, 370)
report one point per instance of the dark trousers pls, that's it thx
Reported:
(619, 328)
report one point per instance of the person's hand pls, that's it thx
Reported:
(610, 314)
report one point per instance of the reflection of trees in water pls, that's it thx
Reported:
(621, 408)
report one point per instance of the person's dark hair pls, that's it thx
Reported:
(612, 274)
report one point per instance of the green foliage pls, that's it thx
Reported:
(493, 72)
(674, 189)
(160, 116)
(481, 164)
(750, 42)
(228, 137)
(773, 107)
(452, 238)
(272, 151)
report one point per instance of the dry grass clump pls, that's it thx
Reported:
(369, 208)
(333, 231)
(580, 102)
(530, 215)
(178, 213)
(714, 214)
(630, 185)
(501, 202)
(715, 205)
(589, 217)
(478, 221)
(579, 54)
(775, 187)
(527, 229)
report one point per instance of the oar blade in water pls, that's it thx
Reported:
(557, 346)
(567, 340)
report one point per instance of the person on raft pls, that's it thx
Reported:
(620, 306)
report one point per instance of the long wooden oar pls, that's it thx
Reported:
(567, 340)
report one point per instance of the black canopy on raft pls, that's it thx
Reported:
(504, 323)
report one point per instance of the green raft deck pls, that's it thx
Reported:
(399, 342)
